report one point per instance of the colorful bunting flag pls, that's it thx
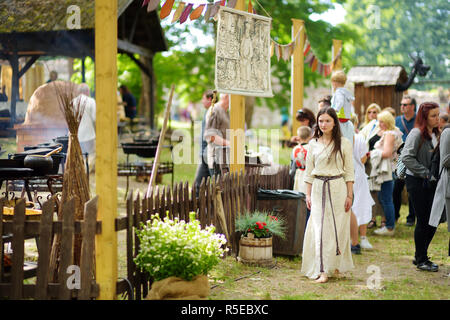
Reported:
(186, 13)
(222, 2)
(152, 5)
(166, 9)
(250, 6)
(197, 12)
(208, 11)
(215, 9)
(178, 12)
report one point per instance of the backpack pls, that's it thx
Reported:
(434, 167)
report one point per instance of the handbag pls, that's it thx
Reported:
(400, 169)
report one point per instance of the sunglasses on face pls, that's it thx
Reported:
(404, 104)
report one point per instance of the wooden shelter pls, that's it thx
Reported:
(377, 84)
(34, 28)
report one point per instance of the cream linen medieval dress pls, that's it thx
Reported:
(319, 162)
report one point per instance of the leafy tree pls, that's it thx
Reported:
(390, 30)
(128, 73)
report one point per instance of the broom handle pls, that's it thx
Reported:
(160, 144)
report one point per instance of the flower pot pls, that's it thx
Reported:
(256, 251)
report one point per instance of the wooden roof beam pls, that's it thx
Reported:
(127, 46)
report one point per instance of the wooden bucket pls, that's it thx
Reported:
(255, 251)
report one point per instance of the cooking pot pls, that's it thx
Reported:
(64, 140)
(41, 164)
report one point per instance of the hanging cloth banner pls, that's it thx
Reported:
(152, 5)
(186, 13)
(197, 12)
(166, 9)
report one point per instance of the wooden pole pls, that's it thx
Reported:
(160, 144)
(297, 71)
(106, 145)
(237, 123)
(337, 45)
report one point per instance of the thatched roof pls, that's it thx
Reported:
(47, 15)
(377, 75)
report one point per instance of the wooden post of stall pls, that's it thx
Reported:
(237, 123)
(337, 45)
(106, 145)
(297, 70)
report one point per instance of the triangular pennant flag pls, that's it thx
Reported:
(286, 52)
(208, 11)
(152, 5)
(197, 12)
(166, 9)
(186, 13)
(320, 68)
(291, 48)
(222, 2)
(231, 3)
(277, 51)
(250, 6)
(314, 65)
(308, 47)
(312, 61)
(327, 70)
(178, 12)
(144, 3)
(215, 9)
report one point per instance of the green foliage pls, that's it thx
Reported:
(193, 72)
(261, 224)
(176, 248)
(128, 73)
(405, 27)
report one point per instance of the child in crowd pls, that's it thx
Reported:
(299, 156)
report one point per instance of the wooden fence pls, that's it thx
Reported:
(20, 228)
(232, 194)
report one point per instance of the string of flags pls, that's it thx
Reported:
(186, 10)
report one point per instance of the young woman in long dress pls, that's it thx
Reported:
(329, 181)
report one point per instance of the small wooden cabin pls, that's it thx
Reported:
(377, 84)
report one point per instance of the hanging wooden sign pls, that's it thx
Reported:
(243, 53)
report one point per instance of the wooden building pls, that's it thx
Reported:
(377, 84)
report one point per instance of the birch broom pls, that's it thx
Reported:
(75, 182)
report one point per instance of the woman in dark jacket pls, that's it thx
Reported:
(416, 156)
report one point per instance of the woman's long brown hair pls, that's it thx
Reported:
(336, 135)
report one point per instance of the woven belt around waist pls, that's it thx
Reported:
(326, 182)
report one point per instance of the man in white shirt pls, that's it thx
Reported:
(86, 130)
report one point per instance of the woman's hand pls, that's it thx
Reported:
(348, 203)
(308, 201)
